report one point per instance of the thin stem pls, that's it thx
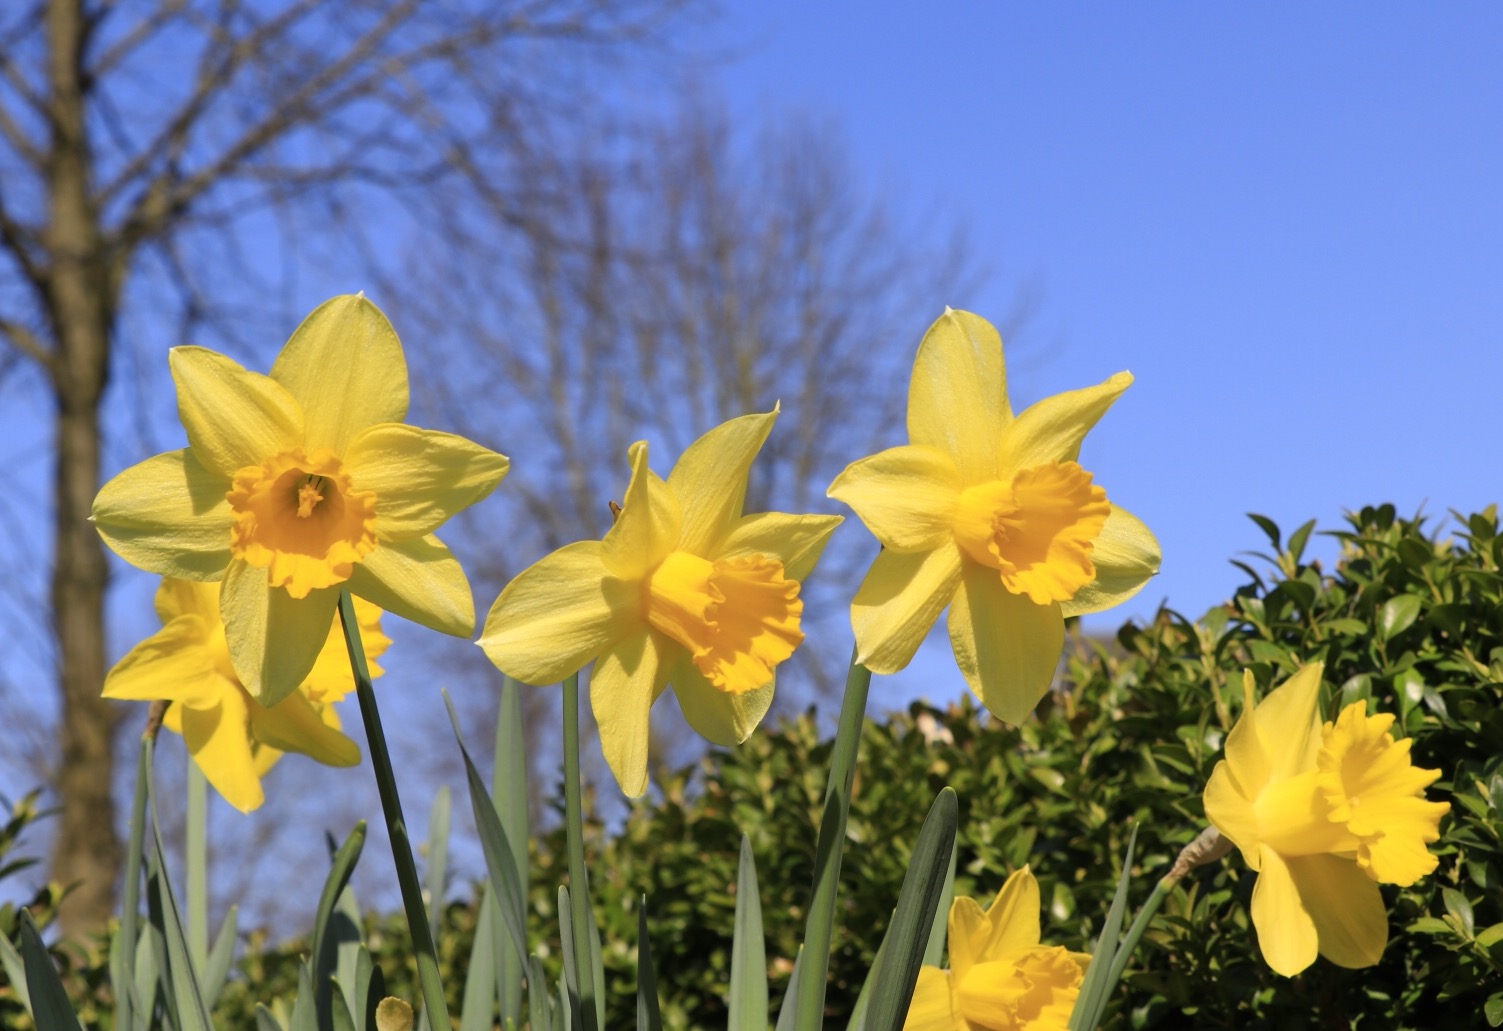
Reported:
(197, 848)
(819, 929)
(396, 826)
(579, 895)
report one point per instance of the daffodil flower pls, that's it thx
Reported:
(992, 515)
(297, 485)
(232, 737)
(1324, 813)
(1000, 977)
(683, 590)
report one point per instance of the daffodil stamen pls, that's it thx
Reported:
(308, 496)
(299, 516)
(1036, 529)
(737, 617)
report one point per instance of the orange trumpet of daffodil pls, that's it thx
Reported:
(1324, 812)
(684, 590)
(297, 485)
(992, 515)
(231, 736)
(1000, 977)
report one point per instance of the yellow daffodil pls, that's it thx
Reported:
(1000, 977)
(991, 515)
(232, 737)
(299, 484)
(1324, 813)
(683, 590)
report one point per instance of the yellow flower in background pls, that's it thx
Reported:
(232, 737)
(990, 514)
(1000, 977)
(683, 590)
(299, 484)
(1324, 813)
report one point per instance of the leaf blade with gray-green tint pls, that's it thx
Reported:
(748, 1002)
(1095, 990)
(649, 1017)
(324, 953)
(44, 988)
(192, 1009)
(221, 956)
(908, 934)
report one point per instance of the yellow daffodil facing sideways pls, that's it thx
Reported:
(990, 514)
(1324, 813)
(1000, 977)
(684, 589)
(299, 484)
(232, 737)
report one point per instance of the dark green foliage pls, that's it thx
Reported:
(1409, 620)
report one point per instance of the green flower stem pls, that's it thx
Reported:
(579, 896)
(197, 850)
(396, 826)
(819, 930)
(1208, 847)
(130, 912)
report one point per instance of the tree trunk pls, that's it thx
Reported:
(80, 303)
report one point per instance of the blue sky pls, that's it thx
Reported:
(1285, 220)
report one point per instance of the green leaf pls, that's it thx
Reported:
(1459, 907)
(266, 1020)
(191, 1008)
(509, 792)
(941, 926)
(1493, 1009)
(217, 970)
(539, 1003)
(748, 1002)
(439, 817)
(1297, 540)
(1397, 615)
(324, 952)
(505, 881)
(304, 1007)
(44, 989)
(1269, 527)
(15, 970)
(908, 934)
(1097, 987)
(648, 1016)
(479, 1003)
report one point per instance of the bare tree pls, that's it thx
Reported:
(147, 147)
(676, 273)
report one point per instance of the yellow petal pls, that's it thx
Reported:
(273, 637)
(1350, 918)
(1125, 555)
(1232, 812)
(1052, 429)
(957, 400)
(168, 515)
(709, 479)
(176, 597)
(1286, 932)
(898, 602)
(968, 931)
(648, 526)
(719, 716)
(1013, 920)
(930, 1009)
(173, 664)
(1289, 722)
(558, 614)
(294, 725)
(344, 364)
(420, 477)
(1247, 760)
(1007, 647)
(796, 541)
(623, 686)
(420, 580)
(234, 417)
(219, 742)
(906, 496)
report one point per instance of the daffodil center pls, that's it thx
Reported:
(738, 617)
(298, 516)
(1035, 987)
(1037, 530)
(1370, 787)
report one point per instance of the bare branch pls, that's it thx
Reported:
(28, 343)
